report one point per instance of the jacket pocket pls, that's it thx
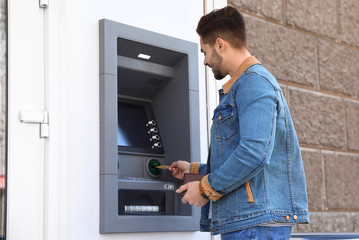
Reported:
(224, 124)
(249, 193)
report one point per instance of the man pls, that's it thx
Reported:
(255, 184)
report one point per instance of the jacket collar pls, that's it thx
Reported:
(248, 62)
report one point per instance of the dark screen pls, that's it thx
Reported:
(132, 130)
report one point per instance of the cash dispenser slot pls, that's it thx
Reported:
(145, 202)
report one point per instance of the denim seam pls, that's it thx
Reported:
(289, 160)
(265, 188)
(228, 121)
(232, 133)
(250, 71)
(266, 228)
(221, 223)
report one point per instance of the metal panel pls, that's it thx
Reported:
(176, 106)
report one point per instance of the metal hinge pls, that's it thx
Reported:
(37, 117)
(44, 3)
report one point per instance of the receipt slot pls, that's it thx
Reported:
(149, 116)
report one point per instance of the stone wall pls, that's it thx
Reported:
(312, 47)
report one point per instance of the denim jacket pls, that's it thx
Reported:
(255, 170)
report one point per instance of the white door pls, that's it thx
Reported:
(26, 100)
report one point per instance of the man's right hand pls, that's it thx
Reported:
(179, 168)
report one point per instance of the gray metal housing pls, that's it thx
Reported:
(169, 81)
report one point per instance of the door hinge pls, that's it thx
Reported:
(44, 3)
(37, 117)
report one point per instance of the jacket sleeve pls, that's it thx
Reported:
(257, 110)
(198, 168)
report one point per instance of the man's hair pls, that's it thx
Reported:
(226, 23)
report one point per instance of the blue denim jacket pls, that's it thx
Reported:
(254, 162)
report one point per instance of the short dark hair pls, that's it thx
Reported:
(226, 23)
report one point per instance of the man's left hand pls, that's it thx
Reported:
(192, 195)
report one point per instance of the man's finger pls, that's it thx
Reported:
(174, 165)
(182, 188)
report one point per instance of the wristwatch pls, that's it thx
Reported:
(202, 192)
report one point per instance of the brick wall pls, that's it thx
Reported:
(312, 47)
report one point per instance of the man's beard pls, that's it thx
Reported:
(217, 74)
(216, 66)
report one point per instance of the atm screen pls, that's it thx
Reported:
(132, 130)
(133, 134)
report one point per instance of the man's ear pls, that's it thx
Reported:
(220, 44)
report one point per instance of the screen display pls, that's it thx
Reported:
(132, 130)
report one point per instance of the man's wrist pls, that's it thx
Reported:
(201, 191)
(206, 189)
(194, 167)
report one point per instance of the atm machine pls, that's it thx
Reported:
(149, 116)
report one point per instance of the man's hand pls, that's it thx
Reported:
(179, 168)
(192, 196)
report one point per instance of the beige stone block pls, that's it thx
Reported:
(314, 174)
(267, 8)
(327, 222)
(353, 125)
(289, 55)
(319, 17)
(355, 222)
(349, 21)
(338, 69)
(342, 182)
(319, 119)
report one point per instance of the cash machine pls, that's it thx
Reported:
(149, 116)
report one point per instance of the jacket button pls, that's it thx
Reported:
(295, 217)
(287, 217)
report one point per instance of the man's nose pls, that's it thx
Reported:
(205, 63)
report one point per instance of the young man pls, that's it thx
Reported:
(255, 184)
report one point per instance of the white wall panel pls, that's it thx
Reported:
(73, 187)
